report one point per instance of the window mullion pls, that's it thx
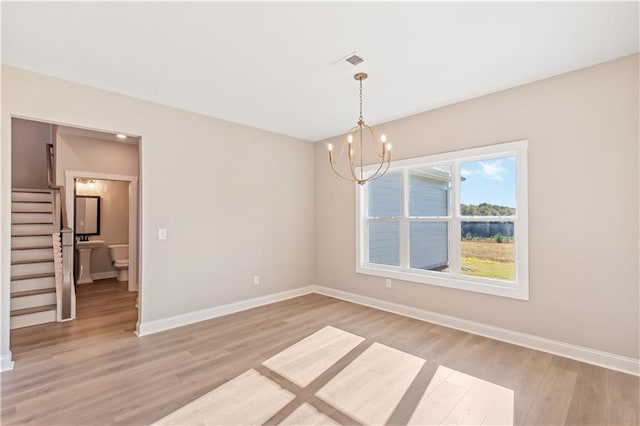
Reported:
(489, 218)
(404, 223)
(454, 224)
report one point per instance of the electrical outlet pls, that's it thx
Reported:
(256, 279)
(387, 283)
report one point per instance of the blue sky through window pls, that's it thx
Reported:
(489, 181)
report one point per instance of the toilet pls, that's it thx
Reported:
(120, 256)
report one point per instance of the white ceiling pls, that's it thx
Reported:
(267, 64)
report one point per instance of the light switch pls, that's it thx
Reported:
(162, 233)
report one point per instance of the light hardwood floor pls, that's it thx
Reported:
(95, 371)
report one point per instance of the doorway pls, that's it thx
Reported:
(107, 187)
(78, 154)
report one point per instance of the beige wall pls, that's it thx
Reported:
(582, 129)
(95, 157)
(114, 222)
(28, 154)
(236, 201)
(79, 153)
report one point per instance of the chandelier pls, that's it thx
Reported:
(356, 139)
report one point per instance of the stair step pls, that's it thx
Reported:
(19, 303)
(30, 276)
(26, 207)
(19, 218)
(22, 218)
(40, 247)
(33, 283)
(31, 230)
(31, 196)
(33, 292)
(32, 268)
(22, 242)
(28, 261)
(39, 254)
(44, 315)
(37, 190)
(33, 310)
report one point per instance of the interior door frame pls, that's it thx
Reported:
(134, 253)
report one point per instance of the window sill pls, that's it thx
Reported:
(486, 286)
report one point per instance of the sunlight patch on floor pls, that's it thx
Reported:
(308, 416)
(370, 388)
(456, 398)
(367, 390)
(248, 399)
(303, 362)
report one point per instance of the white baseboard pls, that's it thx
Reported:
(150, 327)
(567, 350)
(579, 353)
(104, 275)
(6, 362)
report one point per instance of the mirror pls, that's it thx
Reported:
(87, 216)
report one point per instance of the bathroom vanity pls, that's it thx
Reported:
(87, 223)
(84, 249)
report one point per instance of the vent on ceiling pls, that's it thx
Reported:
(354, 60)
(346, 63)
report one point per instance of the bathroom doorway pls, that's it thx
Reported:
(108, 220)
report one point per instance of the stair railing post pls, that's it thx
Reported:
(56, 211)
(64, 278)
(67, 308)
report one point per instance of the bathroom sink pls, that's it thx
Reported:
(84, 259)
(89, 244)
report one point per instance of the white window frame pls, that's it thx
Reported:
(518, 289)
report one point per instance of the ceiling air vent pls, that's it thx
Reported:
(354, 60)
(346, 63)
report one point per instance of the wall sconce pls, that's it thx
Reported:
(85, 184)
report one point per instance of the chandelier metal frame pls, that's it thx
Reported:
(355, 151)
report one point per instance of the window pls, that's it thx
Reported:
(457, 220)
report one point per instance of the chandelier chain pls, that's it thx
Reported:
(361, 119)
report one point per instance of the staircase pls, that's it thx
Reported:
(33, 285)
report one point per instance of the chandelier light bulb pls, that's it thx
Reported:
(388, 147)
(350, 138)
(383, 138)
(330, 147)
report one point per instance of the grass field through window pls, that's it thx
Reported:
(488, 259)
